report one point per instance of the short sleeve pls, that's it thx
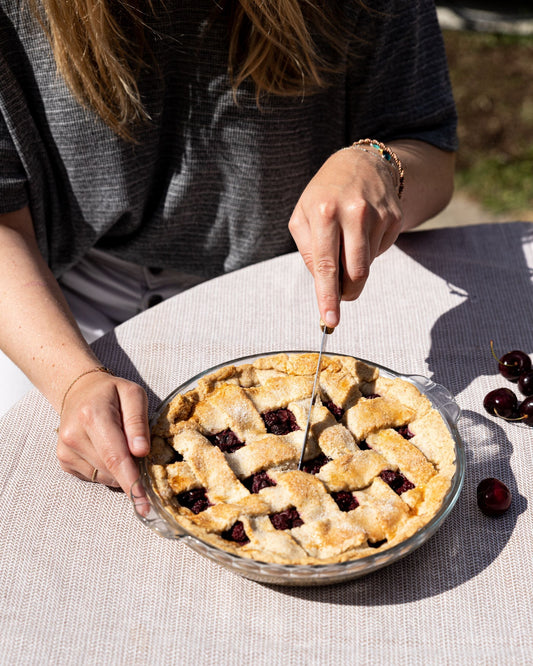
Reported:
(401, 89)
(13, 182)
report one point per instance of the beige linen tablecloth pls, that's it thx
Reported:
(82, 581)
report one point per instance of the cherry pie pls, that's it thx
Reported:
(224, 458)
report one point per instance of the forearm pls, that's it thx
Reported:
(38, 331)
(428, 180)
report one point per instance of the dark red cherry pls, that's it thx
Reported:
(525, 383)
(525, 411)
(196, 500)
(258, 481)
(335, 410)
(287, 519)
(313, 466)
(345, 501)
(236, 533)
(512, 364)
(493, 497)
(280, 421)
(396, 481)
(501, 402)
(227, 441)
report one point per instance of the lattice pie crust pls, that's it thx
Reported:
(224, 460)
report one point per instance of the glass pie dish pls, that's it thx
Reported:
(152, 512)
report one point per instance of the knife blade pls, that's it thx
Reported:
(326, 330)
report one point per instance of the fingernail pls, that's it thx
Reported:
(139, 445)
(330, 318)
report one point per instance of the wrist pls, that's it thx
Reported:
(99, 368)
(387, 157)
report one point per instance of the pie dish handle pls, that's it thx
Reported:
(147, 513)
(440, 396)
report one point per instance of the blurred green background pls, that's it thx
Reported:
(490, 55)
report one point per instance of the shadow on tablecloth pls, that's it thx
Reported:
(112, 355)
(466, 544)
(486, 267)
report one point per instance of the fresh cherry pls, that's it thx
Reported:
(501, 402)
(493, 497)
(512, 364)
(525, 383)
(525, 411)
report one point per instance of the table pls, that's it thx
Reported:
(82, 581)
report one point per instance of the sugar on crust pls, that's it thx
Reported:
(224, 457)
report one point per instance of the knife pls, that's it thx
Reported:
(326, 330)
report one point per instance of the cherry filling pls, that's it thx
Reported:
(236, 533)
(404, 432)
(280, 421)
(196, 500)
(345, 501)
(176, 457)
(335, 410)
(258, 481)
(376, 544)
(363, 445)
(396, 481)
(313, 466)
(286, 520)
(371, 396)
(227, 441)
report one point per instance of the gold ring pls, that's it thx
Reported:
(95, 474)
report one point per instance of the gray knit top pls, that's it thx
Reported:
(210, 185)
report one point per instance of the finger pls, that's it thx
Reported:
(325, 240)
(139, 499)
(95, 472)
(301, 234)
(77, 456)
(134, 407)
(109, 440)
(356, 256)
(392, 231)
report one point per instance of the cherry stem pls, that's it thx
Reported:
(520, 418)
(492, 350)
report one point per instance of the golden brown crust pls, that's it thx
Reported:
(380, 460)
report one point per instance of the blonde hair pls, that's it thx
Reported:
(101, 46)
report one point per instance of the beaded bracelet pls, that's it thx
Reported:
(388, 155)
(100, 368)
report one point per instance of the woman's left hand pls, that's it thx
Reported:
(348, 214)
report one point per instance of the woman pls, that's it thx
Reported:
(176, 143)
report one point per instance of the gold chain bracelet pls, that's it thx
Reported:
(100, 368)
